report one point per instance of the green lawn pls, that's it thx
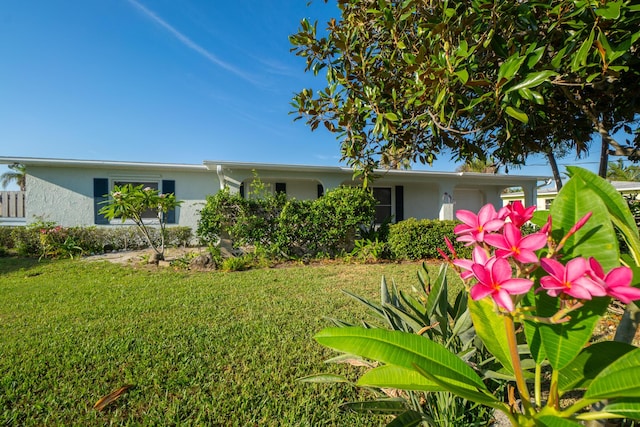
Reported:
(200, 348)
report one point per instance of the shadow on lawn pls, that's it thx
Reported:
(10, 264)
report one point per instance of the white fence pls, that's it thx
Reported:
(11, 204)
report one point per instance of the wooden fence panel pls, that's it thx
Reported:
(12, 204)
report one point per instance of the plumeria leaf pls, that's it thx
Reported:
(404, 350)
(616, 205)
(628, 408)
(589, 363)
(490, 327)
(553, 421)
(471, 395)
(619, 379)
(391, 376)
(597, 238)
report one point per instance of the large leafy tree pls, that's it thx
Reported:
(477, 77)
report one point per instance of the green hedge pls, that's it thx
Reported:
(50, 240)
(420, 239)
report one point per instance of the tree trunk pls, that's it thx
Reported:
(604, 156)
(554, 169)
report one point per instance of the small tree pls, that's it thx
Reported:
(132, 202)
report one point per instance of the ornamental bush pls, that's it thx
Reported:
(290, 227)
(420, 239)
(53, 241)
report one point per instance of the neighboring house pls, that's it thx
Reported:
(69, 192)
(546, 195)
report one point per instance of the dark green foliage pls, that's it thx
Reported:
(410, 80)
(5, 237)
(420, 239)
(290, 227)
(220, 211)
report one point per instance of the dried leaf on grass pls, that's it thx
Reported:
(111, 397)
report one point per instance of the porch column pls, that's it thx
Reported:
(530, 194)
(493, 195)
(446, 201)
(227, 181)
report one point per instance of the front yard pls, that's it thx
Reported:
(199, 348)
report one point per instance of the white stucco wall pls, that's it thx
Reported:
(65, 195)
(420, 201)
(62, 196)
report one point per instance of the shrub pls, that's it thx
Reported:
(297, 231)
(50, 240)
(290, 227)
(420, 239)
(178, 236)
(6, 240)
(220, 212)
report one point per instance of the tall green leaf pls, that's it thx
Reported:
(391, 376)
(404, 350)
(619, 379)
(628, 408)
(589, 363)
(553, 421)
(490, 327)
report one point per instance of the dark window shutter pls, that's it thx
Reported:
(320, 190)
(169, 186)
(399, 203)
(281, 187)
(100, 194)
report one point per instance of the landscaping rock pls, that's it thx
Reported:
(202, 261)
(226, 248)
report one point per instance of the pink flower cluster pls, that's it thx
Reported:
(53, 230)
(497, 240)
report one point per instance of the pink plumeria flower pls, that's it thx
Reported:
(518, 214)
(495, 279)
(617, 282)
(571, 279)
(475, 226)
(511, 244)
(479, 256)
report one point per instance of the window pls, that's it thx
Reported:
(149, 213)
(547, 203)
(383, 208)
(281, 187)
(102, 186)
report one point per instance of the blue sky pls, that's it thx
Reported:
(162, 81)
